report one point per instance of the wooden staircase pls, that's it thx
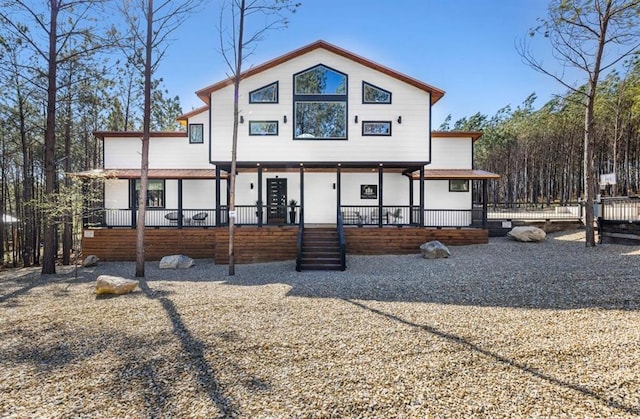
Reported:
(321, 250)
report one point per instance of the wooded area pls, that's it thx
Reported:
(65, 75)
(538, 152)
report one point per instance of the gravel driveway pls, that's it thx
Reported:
(500, 330)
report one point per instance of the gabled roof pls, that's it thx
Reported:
(185, 117)
(436, 94)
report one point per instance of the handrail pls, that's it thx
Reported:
(343, 242)
(299, 243)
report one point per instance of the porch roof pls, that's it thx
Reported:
(445, 174)
(153, 173)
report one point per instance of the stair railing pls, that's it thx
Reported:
(300, 236)
(342, 241)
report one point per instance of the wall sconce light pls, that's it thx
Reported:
(241, 119)
(334, 185)
(284, 119)
(355, 119)
(251, 185)
(400, 120)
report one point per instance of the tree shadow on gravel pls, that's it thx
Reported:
(195, 351)
(497, 357)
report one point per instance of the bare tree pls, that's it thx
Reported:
(591, 36)
(150, 28)
(235, 46)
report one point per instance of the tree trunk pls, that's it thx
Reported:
(144, 166)
(234, 146)
(67, 216)
(49, 258)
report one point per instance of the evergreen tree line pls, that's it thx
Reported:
(98, 88)
(538, 152)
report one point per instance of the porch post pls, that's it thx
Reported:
(421, 196)
(259, 209)
(410, 198)
(301, 194)
(180, 220)
(380, 173)
(132, 197)
(217, 196)
(485, 198)
(338, 189)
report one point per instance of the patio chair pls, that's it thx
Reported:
(172, 217)
(199, 218)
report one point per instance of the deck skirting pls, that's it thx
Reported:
(266, 244)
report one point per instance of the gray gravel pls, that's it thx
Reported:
(500, 330)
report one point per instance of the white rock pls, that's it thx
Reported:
(176, 262)
(527, 234)
(108, 284)
(434, 250)
(91, 260)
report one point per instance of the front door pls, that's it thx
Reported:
(276, 201)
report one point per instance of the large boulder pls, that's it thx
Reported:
(176, 262)
(89, 261)
(109, 284)
(434, 250)
(527, 234)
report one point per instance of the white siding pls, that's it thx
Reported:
(451, 153)
(409, 140)
(198, 194)
(164, 153)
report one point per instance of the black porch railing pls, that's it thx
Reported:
(190, 218)
(407, 215)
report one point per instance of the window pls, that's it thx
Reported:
(374, 94)
(263, 127)
(458, 185)
(376, 128)
(196, 133)
(266, 94)
(320, 104)
(155, 193)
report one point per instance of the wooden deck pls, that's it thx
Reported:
(266, 244)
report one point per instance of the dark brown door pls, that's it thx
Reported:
(276, 201)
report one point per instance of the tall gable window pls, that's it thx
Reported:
(320, 104)
(266, 94)
(374, 94)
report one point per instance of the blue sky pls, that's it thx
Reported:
(465, 47)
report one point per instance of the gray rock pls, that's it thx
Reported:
(527, 234)
(176, 262)
(89, 261)
(109, 284)
(434, 250)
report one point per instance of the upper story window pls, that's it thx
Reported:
(320, 104)
(196, 133)
(266, 94)
(374, 94)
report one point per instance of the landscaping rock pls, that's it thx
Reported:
(434, 250)
(108, 284)
(527, 234)
(91, 260)
(176, 262)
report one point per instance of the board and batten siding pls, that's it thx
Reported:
(409, 140)
(164, 153)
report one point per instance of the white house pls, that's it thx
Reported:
(326, 138)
